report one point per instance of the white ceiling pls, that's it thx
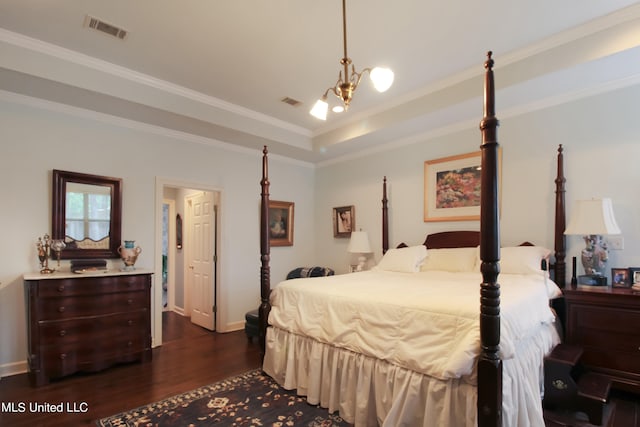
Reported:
(216, 70)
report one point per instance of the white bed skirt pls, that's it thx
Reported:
(372, 392)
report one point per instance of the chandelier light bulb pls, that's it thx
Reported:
(382, 78)
(320, 109)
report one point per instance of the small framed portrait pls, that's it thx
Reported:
(280, 223)
(634, 275)
(344, 221)
(620, 278)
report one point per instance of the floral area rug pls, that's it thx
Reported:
(250, 399)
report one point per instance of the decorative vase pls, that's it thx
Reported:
(129, 254)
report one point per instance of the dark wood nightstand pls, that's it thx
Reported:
(605, 322)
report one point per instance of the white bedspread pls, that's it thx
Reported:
(426, 322)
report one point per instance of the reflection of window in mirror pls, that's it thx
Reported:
(87, 215)
(86, 211)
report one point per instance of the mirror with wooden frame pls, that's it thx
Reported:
(86, 213)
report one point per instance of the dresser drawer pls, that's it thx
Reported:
(66, 359)
(93, 328)
(68, 307)
(91, 285)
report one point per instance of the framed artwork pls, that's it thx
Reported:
(634, 275)
(178, 231)
(620, 278)
(452, 187)
(280, 223)
(344, 221)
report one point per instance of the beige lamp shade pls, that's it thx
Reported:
(593, 217)
(359, 243)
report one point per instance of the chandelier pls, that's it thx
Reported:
(347, 83)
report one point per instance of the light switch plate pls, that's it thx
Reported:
(616, 243)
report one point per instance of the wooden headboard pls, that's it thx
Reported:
(453, 239)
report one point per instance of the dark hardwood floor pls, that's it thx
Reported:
(190, 357)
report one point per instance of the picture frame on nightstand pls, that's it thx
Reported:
(634, 275)
(620, 278)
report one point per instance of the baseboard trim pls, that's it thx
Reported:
(15, 368)
(232, 327)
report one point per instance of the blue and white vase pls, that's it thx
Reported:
(129, 253)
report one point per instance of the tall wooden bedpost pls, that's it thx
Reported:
(265, 248)
(489, 363)
(560, 251)
(385, 217)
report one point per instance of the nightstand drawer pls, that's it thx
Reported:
(603, 327)
(605, 323)
(612, 360)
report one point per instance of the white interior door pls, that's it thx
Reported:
(201, 258)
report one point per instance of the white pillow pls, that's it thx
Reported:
(451, 259)
(405, 260)
(523, 259)
(527, 260)
(553, 291)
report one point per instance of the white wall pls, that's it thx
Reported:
(600, 134)
(601, 137)
(34, 141)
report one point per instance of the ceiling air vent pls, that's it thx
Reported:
(291, 101)
(98, 25)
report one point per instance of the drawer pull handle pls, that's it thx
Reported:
(63, 333)
(61, 309)
(129, 301)
(63, 356)
(61, 288)
(130, 322)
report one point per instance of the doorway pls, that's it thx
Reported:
(182, 277)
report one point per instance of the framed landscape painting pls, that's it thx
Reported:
(452, 187)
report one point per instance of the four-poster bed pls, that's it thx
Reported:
(407, 375)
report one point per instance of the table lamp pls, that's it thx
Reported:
(593, 219)
(359, 244)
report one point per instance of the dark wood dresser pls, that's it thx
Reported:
(86, 322)
(605, 322)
